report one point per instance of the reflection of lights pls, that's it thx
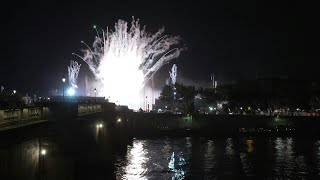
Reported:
(229, 147)
(209, 155)
(178, 171)
(249, 143)
(43, 152)
(136, 166)
(71, 91)
(119, 120)
(171, 163)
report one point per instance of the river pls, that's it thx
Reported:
(94, 151)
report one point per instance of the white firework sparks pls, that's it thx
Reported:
(73, 72)
(126, 58)
(173, 74)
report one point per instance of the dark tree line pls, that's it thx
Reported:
(265, 95)
(179, 96)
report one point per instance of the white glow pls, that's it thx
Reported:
(71, 91)
(73, 72)
(124, 59)
(173, 74)
(43, 152)
(137, 159)
(99, 125)
(119, 120)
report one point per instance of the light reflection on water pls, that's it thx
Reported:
(136, 167)
(246, 157)
(149, 158)
(250, 147)
(288, 163)
(23, 158)
(209, 160)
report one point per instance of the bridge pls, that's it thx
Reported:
(57, 109)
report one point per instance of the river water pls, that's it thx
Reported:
(92, 152)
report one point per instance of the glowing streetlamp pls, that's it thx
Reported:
(14, 91)
(71, 92)
(95, 94)
(63, 81)
(100, 125)
(146, 103)
(43, 152)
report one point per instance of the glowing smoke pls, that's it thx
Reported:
(124, 59)
(173, 74)
(73, 72)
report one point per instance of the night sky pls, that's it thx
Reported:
(234, 39)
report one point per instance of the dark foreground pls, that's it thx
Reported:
(83, 150)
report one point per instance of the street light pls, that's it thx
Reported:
(95, 94)
(146, 103)
(100, 125)
(43, 152)
(14, 91)
(63, 81)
